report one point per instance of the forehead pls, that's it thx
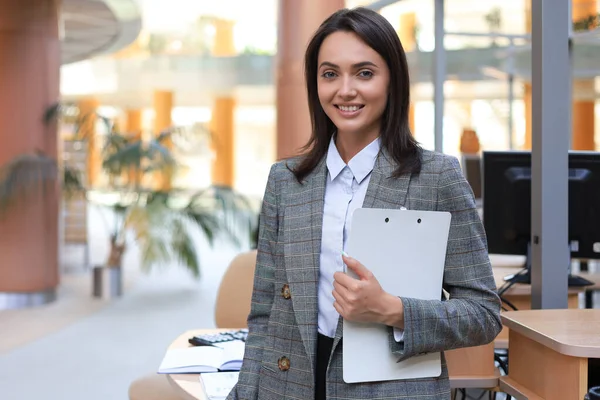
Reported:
(347, 48)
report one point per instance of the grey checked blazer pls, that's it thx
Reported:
(283, 323)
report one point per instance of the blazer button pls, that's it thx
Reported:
(285, 292)
(284, 363)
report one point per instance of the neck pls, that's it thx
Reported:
(350, 144)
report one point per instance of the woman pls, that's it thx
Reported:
(361, 154)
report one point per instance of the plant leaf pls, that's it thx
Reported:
(183, 247)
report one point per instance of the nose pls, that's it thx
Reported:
(347, 89)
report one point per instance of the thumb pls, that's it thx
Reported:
(360, 270)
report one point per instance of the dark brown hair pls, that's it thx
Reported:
(395, 133)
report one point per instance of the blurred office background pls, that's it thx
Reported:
(222, 81)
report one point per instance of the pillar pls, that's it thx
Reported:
(222, 129)
(133, 128)
(527, 87)
(411, 117)
(224, 43)
(30, 54)
(528, 116)
(222, 124)
(163, 105)
(583, 120)
(87, 129)
(583, 109)
(407, 34)
(297, 22)
(134, 122)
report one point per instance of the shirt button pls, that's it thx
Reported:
(283, 363)
(285, 292)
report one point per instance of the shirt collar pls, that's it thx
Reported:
(360, 165)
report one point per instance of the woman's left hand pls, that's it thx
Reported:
(363, 299)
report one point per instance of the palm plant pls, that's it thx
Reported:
(163, 221)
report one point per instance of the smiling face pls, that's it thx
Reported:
(352, 84)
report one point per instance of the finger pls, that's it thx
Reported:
(345, 280)
(340, 293)
(360, 270)
(339, 309)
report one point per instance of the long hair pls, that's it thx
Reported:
(395, 133)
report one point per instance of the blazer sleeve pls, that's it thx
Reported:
(262, 294)
(471, 315)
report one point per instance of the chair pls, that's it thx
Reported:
(473, 367)
(231, 311)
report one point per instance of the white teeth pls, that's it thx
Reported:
(349, 109)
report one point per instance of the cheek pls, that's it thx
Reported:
(325, 94)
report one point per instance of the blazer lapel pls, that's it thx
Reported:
(303, 230)
(385, 191)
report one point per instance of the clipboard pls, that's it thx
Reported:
(406, 251)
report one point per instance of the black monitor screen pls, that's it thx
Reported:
(507, 202)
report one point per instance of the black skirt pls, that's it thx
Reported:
(324, 346)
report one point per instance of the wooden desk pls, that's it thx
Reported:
(471, 367)
(549, 351)
(519, 295)
(188, 386)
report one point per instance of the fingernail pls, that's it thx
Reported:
(345, 254)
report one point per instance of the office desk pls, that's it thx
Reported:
(188, 386)
(468, 367)
(519, 295)
(549, 351)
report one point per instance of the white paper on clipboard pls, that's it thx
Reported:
(406, 251)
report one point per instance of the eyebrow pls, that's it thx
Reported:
(361, 64)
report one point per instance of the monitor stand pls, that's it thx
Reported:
(524, 276)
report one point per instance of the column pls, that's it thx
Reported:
(30, 54)
(583, 108)
(222, 128)
(407, 34)
(297, 22)
(527, 86)
(163, 105)
(528, 129)
(133, 128)
(87, 129)
(222, 124)
(224, 45)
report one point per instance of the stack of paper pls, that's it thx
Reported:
(217, 386)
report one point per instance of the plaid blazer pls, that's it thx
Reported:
(280, 358)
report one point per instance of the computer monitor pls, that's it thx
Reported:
(507, 205)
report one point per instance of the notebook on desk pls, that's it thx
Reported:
(406, 251)
(194, 360)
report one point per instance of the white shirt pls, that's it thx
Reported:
(345, 191)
